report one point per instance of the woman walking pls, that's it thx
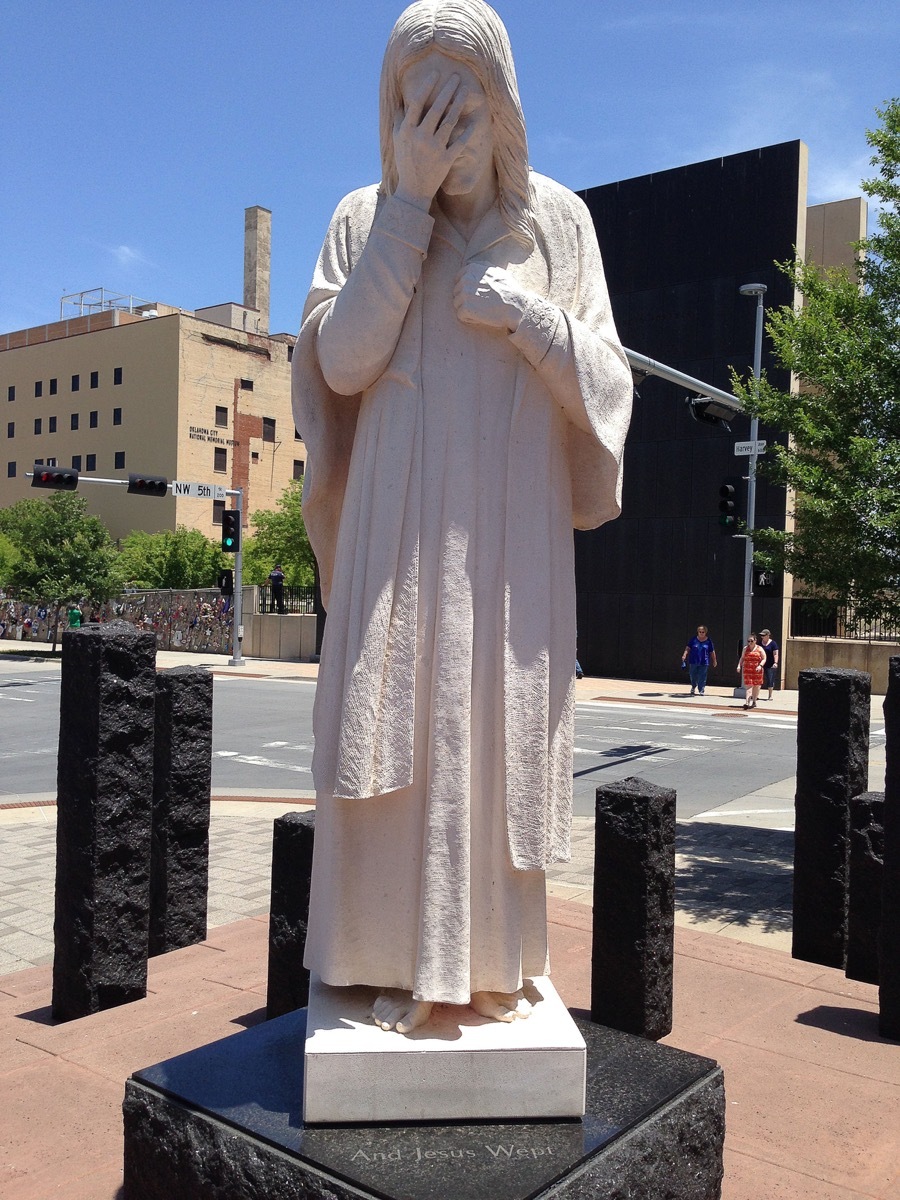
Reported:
(750, 665)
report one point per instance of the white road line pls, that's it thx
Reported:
(21, 699)
(707, 737)
(255, 760)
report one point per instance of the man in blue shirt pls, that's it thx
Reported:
(700, 655)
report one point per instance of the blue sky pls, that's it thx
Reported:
(135, 134)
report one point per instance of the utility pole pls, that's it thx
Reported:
(758, 290)
(237, 632)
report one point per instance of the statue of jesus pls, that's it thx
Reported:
(464, 399)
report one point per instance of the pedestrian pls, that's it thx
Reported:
(276, 580)
(76, 616)
(699, 655)
(750, 665)
(770, 670)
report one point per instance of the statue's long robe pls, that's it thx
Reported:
(448, 463)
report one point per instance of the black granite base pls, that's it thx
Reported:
(224, 1120)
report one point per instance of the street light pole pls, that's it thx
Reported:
(237, 607)
(758, 290)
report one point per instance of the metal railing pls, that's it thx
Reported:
(295, 599)
(809, 618)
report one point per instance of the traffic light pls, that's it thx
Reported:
(226, 582)
(148, 485)
(728, 505)
(63, 479)
(231, 531)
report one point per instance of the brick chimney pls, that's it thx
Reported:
(258, 261)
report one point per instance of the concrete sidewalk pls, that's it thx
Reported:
(813, 1092)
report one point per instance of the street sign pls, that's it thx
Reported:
(198, 491)
(746, 448)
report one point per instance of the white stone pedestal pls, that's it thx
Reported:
(458, 1066)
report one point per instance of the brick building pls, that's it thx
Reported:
(119, 385)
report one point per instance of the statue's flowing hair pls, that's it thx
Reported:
(471, 32)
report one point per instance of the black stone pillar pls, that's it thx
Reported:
(292, 852)
(889, 943)
(104, 797)
(182, 778)
(866, 863)
(832, 767)
(634, 908)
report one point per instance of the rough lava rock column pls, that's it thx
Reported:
(633, 950)
(889, 946)
(104, 797)
(182, 783)
(832, 768)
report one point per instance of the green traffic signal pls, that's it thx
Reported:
(231, 531)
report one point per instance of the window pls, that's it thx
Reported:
(38, 388)
(222, 416)
(52, 387)
(51, 424)
(117, 416)
(37, 424)
(76, 462)
(74, 421)
(76, 382)
(290, 353)
(220, 459)
(117, 375)
(90, 462)
(11, 429)
(298, 436)
(120, 460)
(11, 392)
(10, 470)
(95, 379)
(254, 456)
(218, 509)
(246, 385)
(38, 462)
(268, 429)
(92, 419)
(298, 468)
(51, 462)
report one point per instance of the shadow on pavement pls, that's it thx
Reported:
(735, 873)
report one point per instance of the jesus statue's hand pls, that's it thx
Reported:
(488, 296)
(423, 148)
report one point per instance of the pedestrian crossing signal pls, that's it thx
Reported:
(62, 479)
(148, 485)
(231, 531)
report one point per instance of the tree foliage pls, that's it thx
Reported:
(181, 559)
(280, 537)
(62, 551)
(843, 459)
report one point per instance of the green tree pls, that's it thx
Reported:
(843, 460)
(62, 551)
(181, 559)
(8, 556)
(280, 537)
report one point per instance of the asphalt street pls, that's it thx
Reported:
(262, 742)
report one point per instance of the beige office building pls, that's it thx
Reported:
(122, 386)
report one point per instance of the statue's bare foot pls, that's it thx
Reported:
(501, 1006)
(397, 1009)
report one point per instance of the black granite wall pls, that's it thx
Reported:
(677, 246)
